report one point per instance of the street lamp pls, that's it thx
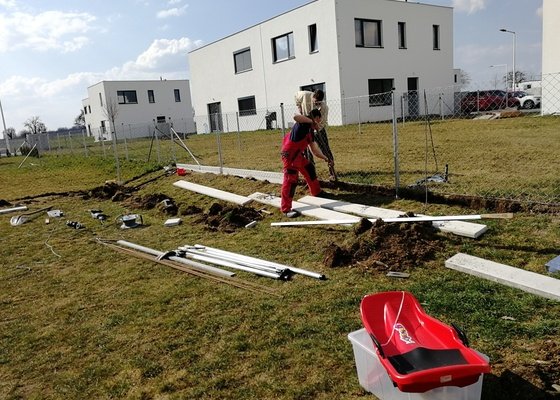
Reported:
(513, 68)
(502, 65)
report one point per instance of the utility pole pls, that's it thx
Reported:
(5, 133)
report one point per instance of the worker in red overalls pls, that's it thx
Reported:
(295, 143)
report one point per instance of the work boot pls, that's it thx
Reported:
(292, 214)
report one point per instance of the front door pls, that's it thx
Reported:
(413, 98)
(215, 117)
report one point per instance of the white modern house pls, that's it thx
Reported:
(137, 107)
(347, 48)
(550, 58)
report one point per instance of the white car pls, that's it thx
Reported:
(527, 101)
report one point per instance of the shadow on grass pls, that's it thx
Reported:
(510, 386)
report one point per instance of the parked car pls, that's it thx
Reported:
(484, 100)
(526, 100)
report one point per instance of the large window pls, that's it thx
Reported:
(242, 60)
(127, 97)
(402, 35)
(177, 94)
(368, 33)
(313, 40)
(151, 97)
(380, 92)
(247, 106)
(435, 29)
(283, 47)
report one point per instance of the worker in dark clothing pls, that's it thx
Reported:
(295, 143)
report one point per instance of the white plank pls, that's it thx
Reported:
(216, 193)
(272, 177)
(460, 228)
(527, 281)
(304, 209)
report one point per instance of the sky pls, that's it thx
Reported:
(52, 51)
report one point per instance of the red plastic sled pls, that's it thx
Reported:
(419, 352)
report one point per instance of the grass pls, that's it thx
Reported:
(80, 321)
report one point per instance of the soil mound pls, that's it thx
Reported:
(385, 246)
(229, 219)
(110, 190)
(162, 202)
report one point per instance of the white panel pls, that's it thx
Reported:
(518, 278)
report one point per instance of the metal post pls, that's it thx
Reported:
(101, 139)
(156, 132)
(58, 141)
(70, 141)
(283, 119)
(5, 133)
(83, 140)
(219, 142)
(238, 132)
(402, 110)
(359, 117)
(395, 146)
(125, 143)
(115, 144)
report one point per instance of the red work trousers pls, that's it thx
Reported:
(294, 164)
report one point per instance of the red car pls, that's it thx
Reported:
(484, 100)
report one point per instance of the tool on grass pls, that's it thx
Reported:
(130, 221)
(23, 218)
(98, 214)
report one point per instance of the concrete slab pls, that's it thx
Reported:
(216, 193)
(461, 228)
(273, 177)
(304, 209)
(531, 282)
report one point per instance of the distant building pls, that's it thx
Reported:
(137, 106)
(347, 48)
(550, 58)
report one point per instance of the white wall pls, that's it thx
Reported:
(344, 68)
(143, 112)
(550, 58)
(433, 68)
(213, 76)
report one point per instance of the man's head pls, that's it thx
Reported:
(318, 96)
(315, 115)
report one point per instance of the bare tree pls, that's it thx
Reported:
(111, 110)
(10, 133)
(464, 79)
(34, 125)
(80, 120)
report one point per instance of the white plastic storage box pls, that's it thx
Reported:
(374, 378)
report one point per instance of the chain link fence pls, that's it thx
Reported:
(484, 141)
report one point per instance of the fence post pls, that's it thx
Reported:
(156, 133)
(173, 154)
(58, 141)
(359, 117)
(402, 110)
(102, 140)
(219, 142)
(238, 132)
(117, 163)
(84, 140)
(125, 143)
(283, 119)
(441, 107)
(70, 140)
(395, 145)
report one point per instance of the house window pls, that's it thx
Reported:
(100, 100)
(368, 33)
(283, 47)
(151, 98)
(380, 92)
(435, 29)
(313, 40)
(160, 119)
(402, 35)
(177, 95)
(127, 97)
(85, 110)
(89, 109)
(242, 60)
(247, 106)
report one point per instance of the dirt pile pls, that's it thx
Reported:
(384, 246)
(110, 190)
(229, 219)
(159, 201)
